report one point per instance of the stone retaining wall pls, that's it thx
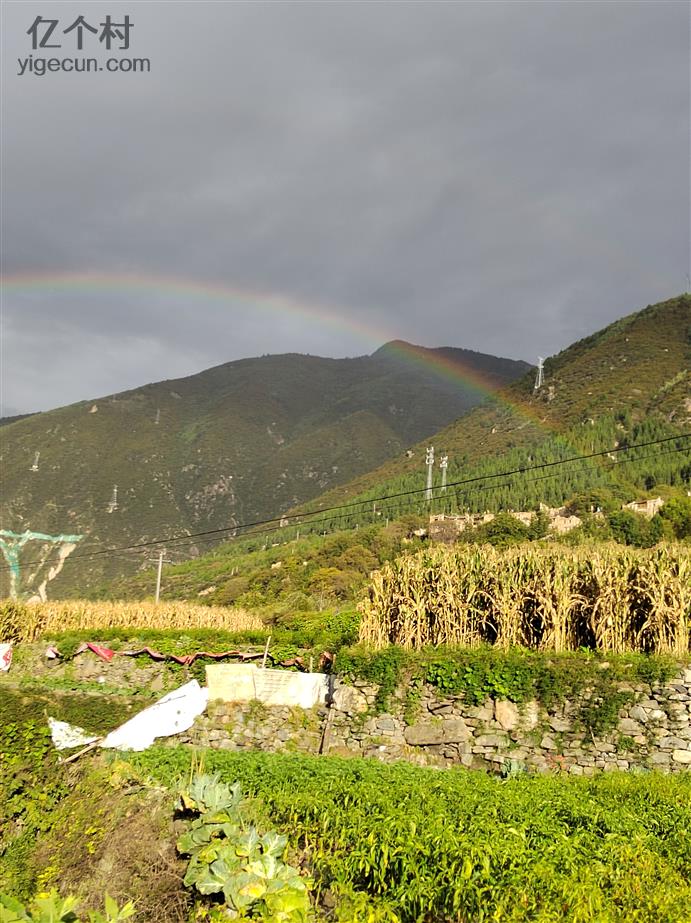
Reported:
(652, 732)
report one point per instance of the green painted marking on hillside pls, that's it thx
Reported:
(11, 544)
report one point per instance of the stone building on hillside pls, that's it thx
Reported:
(445, 527)
(645, 507)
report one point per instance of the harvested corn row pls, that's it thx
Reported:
(609, 598)
(26, 622)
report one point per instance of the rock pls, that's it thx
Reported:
(455, 731)
(506, 714)
(603, 746)
(350, 700)
(630, 727)
(548, 743)
(530, 716)
(440, 708)
(492, 740)
(678, 709)
(560, 724)
(424, 734)
(428, 733)
(672, 743)
(639, 714)
(483, 712)
(682, 756)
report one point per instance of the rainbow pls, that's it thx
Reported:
(323, 315)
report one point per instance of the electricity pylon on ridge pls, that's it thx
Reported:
(429, 461)
(443, 464)
(113, 505)
(540, 380)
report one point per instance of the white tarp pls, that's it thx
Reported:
(66, 735)
(172, 714)
(234, 682)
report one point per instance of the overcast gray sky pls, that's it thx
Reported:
(503, 177)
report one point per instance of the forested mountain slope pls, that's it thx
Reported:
(627, 383)
(236, 443)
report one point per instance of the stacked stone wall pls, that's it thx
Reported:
(653, 731)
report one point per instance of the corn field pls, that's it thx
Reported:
(27, 622)
(609, 598)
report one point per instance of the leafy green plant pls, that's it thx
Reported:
(51, 908)
(231, 858)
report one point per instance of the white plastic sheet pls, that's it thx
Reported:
(67, 735)
(172, 714)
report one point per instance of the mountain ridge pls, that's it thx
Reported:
(638, 365)
(241, 441)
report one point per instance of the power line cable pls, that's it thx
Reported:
(300, 518)
(411, 503)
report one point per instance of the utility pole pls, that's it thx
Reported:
(540, 380)
(158, 576)
(161, 561)
(443, 464)
(429, 461)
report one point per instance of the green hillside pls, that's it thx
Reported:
(236, 443)
(623, 386)
(628, 383)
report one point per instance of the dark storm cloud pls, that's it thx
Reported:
(506, 177)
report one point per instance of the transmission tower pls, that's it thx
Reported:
(429, 461)
(34, 467)
(540, 380)
(443, 464)
(113, 505)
